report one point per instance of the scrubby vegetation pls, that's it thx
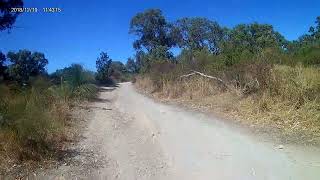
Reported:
(35, 107)
(112, 72)
(250, 71)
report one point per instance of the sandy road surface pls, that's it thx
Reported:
(134, 137)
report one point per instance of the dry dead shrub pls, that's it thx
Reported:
(161, 72)
(249, 77)
(145, 84)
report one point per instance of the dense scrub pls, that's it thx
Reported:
(33, 116)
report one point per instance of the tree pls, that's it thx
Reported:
(152, 29)
(7, 17)
(131, 65)
(140, 59)
(25, 64)
(118, 71)
(307, 47)
(246, 40)
(160, 54)
(313, 37)
(315, 30)
(2, 66)
(256, 37)
(103, 65)
(198, 33)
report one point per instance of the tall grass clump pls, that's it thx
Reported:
(298, 85)
(33, 116)
(29, 115)
(75, 83)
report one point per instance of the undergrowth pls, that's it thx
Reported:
(33, 117)
(285, 99)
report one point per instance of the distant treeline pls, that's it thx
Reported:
(19, 67)
(227, 46)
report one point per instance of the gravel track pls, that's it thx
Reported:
(130, 136)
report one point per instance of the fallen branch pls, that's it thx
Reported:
(204, 75)
(187, 75)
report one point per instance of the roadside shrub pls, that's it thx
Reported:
(76, 83)
(161, 72)
(85, 91)
(33, 116)
(312, 56)
(30, 116)
(249, 77)
(296, 84)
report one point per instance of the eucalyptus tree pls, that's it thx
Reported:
(25, 64)
(8, 15)
(198, 33)
(152, 30)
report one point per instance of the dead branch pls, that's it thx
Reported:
(204, 75)
(187, 75)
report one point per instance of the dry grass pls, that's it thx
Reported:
(32, 125)
(288, 106)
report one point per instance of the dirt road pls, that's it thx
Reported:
(134, 137)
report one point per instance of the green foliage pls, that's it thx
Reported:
(2, 66)
(111, 72)
(198, 34)
(160, 53)
(75, 82)
(246, 41)
(33, 115)
(85, 91)
(310, 55)
(29, 114)
(152, 30)
(157, 55)
(7, 17)
(142, 61)
(103, 65)
(131, 66)
(119, 72)
(25, 64)
(307, 48)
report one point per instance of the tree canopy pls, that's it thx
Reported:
(255, 37)
(198, 33)
(2, 65)
(131, 65)
(7, 17)
(25, 64)
(103, 64)
(152, 30)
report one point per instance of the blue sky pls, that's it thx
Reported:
(85, 28)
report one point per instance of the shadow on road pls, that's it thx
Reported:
(100, 100)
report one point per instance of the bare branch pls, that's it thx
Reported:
(187, 75)
(204, 75)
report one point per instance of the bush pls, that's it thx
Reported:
(75, 83)
(296, 84)
(30, 115)
(33, 116)
(311, 56)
